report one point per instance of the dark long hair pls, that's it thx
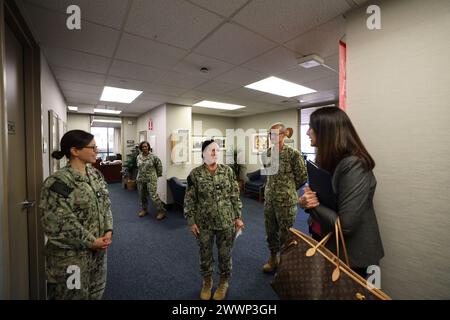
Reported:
(336, 138)
(73, 138)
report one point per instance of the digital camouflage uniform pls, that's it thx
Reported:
(76, 210)
(212, 202)
(280, 207)
(149, 169)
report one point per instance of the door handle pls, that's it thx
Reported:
(28, 204)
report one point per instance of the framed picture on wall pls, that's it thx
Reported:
(53, 136)
(180, 146)
(142, 136)
(61, 131)
(197, 143)
(221, 141)
(260, 142)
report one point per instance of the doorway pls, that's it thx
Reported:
(23, 270)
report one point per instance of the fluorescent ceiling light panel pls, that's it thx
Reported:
(107, 111)
(107, 121)
(217, 105)
(72, 108)
(279, 87)
(119, 95)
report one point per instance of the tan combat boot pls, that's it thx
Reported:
(142, 213)
(221, 291)
(205, 294)
(161, 215)
(272, 264)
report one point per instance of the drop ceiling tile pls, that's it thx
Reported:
(324, 84)
(224, 8)
(282, 20)
(241, 76)
(81, 97)
(123, 69)
(76, 60)
(107, 12)
(323, 40)
(137, 49)
(217, 87)
(175, 22)
(275, 61)
(78, 76)
(194, 62)
(80, 87)
(180, 80)
(52, 31)
(301, 75)
(234, 44)
(244, 93)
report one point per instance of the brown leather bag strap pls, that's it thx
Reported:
(338, 223)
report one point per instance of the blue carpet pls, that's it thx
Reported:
(151, 259)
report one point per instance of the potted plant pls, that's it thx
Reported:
(129, 168)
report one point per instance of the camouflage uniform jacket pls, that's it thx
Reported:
(76, 210)
(212, 200)
(281, 188)
(149, 167)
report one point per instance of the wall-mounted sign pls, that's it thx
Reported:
(11, 127)
(130, 141)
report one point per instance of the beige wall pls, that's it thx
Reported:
(79, 122)
(52, 99)
(210, 126)
(398, 98)
(178, 117)
(261, 122)
(128, 133)
(158, 116)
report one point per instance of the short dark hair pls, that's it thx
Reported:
(142, 143)
(73, 138)
(205, 144)
(336, 139)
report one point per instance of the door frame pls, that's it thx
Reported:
(11, 15)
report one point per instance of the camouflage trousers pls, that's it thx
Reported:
(149, 188)
(76, 277)
(278, 219)
(224, 241)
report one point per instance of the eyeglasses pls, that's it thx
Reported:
(275, 133)
(94, 148)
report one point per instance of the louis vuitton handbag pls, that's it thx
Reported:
(309, 271)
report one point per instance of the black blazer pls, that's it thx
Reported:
(355, 188)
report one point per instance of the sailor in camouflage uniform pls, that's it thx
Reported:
(287, 176)
(77, 220)
(149, 169)
(212, 208)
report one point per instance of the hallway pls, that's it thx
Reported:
(159, 260)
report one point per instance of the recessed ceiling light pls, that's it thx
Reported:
(279, 87)
(119, 95)
(72, 108)
(109, 111)
(107, 121)
(217, 105)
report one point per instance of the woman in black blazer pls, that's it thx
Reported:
(341, 152)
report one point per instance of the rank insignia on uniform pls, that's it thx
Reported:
(61, 188)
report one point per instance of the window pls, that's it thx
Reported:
(306, 148)
(104, 139)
